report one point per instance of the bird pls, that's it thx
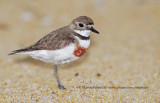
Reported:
(62, 45)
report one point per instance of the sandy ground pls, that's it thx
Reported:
(122, 64)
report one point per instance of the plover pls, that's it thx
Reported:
(63, 45)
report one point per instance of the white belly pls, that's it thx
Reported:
(64, 55)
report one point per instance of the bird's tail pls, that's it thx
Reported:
(18, 51)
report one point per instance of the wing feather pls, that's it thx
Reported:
(55, 40)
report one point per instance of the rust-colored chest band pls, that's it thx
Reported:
(79, 51)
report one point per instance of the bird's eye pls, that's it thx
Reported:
(81, 25)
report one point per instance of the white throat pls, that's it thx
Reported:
(85, 33)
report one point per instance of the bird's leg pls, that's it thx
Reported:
(60, 85)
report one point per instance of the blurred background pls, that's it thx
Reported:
(126, 53)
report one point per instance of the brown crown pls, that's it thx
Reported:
(84, 19)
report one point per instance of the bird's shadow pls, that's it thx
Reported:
(29, 60)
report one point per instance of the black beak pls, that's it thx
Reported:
(94, 30)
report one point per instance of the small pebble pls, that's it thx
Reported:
(76, 74)
(98, 74)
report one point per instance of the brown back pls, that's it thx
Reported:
(55, 40)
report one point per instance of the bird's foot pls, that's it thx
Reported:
(61, 87)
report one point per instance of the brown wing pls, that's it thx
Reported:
(54, 40)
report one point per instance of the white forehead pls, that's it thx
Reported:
(90, 25)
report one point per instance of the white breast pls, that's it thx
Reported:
(85, 33)
(83, 43)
